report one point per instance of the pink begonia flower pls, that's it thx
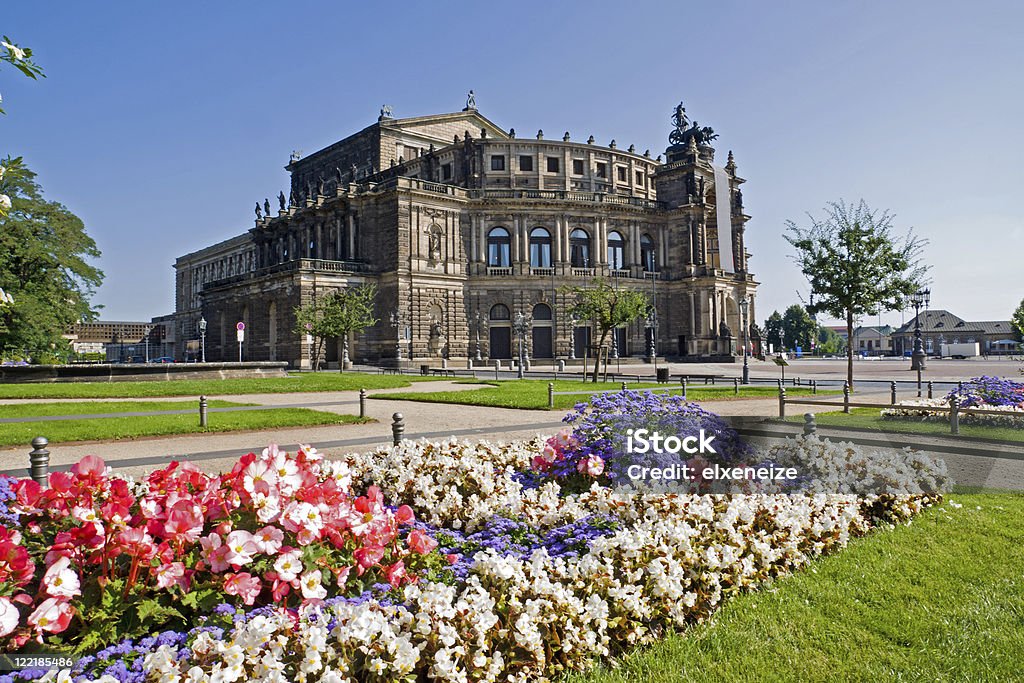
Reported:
(52, 616)
(241, 548)
(184, 521)
(61, 581)
(420, 543)
(259, 476)
(268, 540)
(172, 574)
(592, 465)
(405, 515)
(267, 506)
(9, 616)
(368, 556)
(287, 472)
(214, 553)
(312, 589)
(289, 565)
(341, 575)
(244, 585)
(89, 465)
(395, 573)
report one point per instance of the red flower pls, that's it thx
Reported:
(52, 616)
(420, 543)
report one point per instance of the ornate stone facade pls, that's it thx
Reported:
(462, 225)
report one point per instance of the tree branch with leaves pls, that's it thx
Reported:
(337, 314)
(607, 307)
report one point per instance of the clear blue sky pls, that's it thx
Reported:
(161, 124)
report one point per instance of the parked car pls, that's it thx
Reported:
(162, 359)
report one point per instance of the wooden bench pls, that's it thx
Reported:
(389, 371)
(446, 372)
(708, 379)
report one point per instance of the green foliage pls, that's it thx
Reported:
(829, 342)
(21, 59)
(338, 314)
(855, 265)
(798, 327)
(1017, 321)
(45, 271)
(773, 330)
(607, 307)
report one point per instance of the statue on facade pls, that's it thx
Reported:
(320, 183)
(470, 101)
(685, 131)
(281, 200)
(259, 211)
(266, 207)
(385, 111)
(293, 199)
(337, 176)
(434, 245)
(723, 330)
(352, 170)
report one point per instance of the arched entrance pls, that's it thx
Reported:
(543, 346)
(500, 332)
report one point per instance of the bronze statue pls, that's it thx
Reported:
(723, 330)
(281, 200)
(259, 211)
(266, 207)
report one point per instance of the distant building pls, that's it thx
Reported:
(940, 327)
(462, 226)
(872, 340)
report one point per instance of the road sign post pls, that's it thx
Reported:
(240, 331)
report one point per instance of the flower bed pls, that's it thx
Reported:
(988, 393)
(475, 570)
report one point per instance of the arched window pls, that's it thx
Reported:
(616, 251)
(540, 248)
(542, 312)
(579, 248)
(647, 253)
(500, 312)
(499, 248)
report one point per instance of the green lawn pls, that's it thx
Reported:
(114, 428)
(940, 600)
(100, 407)
(296, 382)
(870, 418)
(532, 394)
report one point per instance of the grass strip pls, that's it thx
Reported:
(117, 428)
(870, 418)
(12, 410)
(532, 394)
(939, 600)
(295, 382)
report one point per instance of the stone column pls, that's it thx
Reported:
(352, 236)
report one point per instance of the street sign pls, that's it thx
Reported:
(241, 335)
(240, 326)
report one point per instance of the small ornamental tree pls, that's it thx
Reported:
(338, 314)
(855, 265)
(607, 307)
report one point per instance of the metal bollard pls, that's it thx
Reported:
(814, 386)
(39, 461)
(203, 420)
(362, 403)
(846, 396)
(931, 388)
(954, 414)
(623, 386)
(810, 425)
(892, 392)
(397, 428)
(736, 386)
(782, 403)
(551, 394)
(682, 383)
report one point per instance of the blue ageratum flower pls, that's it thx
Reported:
(988, 391)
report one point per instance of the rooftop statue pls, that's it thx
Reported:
(685, 131)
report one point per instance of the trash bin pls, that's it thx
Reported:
(424, 370)
(662, 375)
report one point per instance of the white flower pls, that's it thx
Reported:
(17, 54)
(5, 202)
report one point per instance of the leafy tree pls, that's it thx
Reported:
(607, 307)
(1017, 321)
(336, 315)
(799, 327)
(773, 330)
(829, 341)
(45, 271)
(855, 265)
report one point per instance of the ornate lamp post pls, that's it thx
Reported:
(744, 307)
(521, 326)
(309, 344)
(146, 330)
(572, 336)
(919, 299)
(396, 322)
(651, 323)
(479, 325)
(202, 339)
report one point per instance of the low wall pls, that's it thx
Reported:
(138, 372)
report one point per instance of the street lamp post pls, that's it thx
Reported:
(396, 322)
(521, 325)
(744, 308)
(652, 324)
(146, 331)
(572, 336)
(919, 299)
(202, 338)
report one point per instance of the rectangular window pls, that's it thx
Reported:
(639, 177)
(602, 170)
(498, 162)
(577, 166)
(622, 173)
(552, 164)
(525, 163)
(446, 172)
